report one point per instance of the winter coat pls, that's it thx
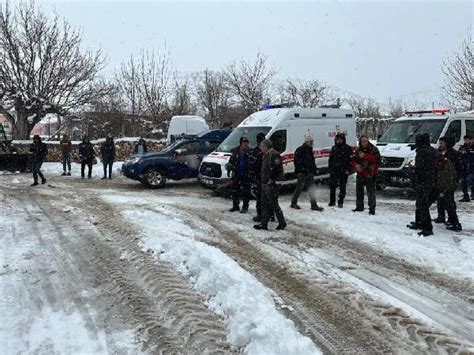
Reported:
(66, 145)
(466, 153)
(340, 158)
(453, 155)
(272, 167)
(447, 175)
(39, 151)
(256, 163)
(145, 148)
(369, 163)
(304, 160)
(426, 174)
(234, 162)
(86, 151)
(107, 151)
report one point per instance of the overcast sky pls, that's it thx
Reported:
(376, 48)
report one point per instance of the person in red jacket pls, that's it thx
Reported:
(366, 163)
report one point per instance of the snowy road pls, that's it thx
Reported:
(110, 267)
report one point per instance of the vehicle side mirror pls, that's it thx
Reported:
(180, 151)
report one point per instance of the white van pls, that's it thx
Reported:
(397, 144)
(286, 128)
(181, 126)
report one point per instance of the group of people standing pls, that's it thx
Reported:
(263, 168)
(87, 156)
(437, 175)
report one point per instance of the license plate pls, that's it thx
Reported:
(208, 181)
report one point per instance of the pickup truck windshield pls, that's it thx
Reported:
(233, 139)
(406, 131)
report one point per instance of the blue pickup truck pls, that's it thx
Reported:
(178, 161)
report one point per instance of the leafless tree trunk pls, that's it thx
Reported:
(42, 67)
(128, 82)
(364, 107)
(250, 81)
(303, 93)
(182, 102)
(459, 76)
(213, 95)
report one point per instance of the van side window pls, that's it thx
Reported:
(454, 130)
(279, 140)
(470, 127)
(211, 146)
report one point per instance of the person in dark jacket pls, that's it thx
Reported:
(448, 181)
(86, 156)
(340, 167)
(466, 152)
(140, 147)
(66, 148)
(256, 168)
(107, 152)
(425, 183)
(271, 172)
(39, 150)
(366, 161)
(305, 169)
(239, 170)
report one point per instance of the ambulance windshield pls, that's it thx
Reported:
(233, 139)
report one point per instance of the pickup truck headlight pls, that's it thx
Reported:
(132, 161)
(411, 163)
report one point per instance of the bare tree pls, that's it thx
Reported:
(154, 74)
(303, 93)
(364, 106)
(42, 67)
(250, 81)
(459, 76)
(182, 102)
(213, 95)
(127, 81)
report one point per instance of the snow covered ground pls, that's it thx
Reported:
(111, 267)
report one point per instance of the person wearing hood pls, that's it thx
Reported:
(466, 153)
(366, 161)
(448, 182)
(66, 148)
(339, 169)
(38, 151)
(86, 156)
(305, 170)
(107, 152)
(140, 148)
(425, 184)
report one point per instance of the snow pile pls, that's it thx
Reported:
(253, 320)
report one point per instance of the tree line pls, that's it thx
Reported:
(44, 70)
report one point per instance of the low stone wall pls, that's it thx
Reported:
(123, 148)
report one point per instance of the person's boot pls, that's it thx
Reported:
(281, 226)
(69, 173)
(315, 207)
(358, 209)
(43, 181)
(63, 174)
(295, 206)
(35, 183)
(257, 219)
(455, 227)
(425, 233)
(372, 212)
(234, 209)
(245, 208)
(340, 203)
(465, 198)
(261, 226)
(331, 204)
(439, 219)
(413, 225)
(105, 177)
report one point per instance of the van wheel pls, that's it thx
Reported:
(154, 178)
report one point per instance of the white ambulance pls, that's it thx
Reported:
(286, 127)
(397, 144)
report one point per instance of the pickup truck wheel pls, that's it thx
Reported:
(154, 178)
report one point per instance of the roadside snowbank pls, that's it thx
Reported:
(254, 322)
